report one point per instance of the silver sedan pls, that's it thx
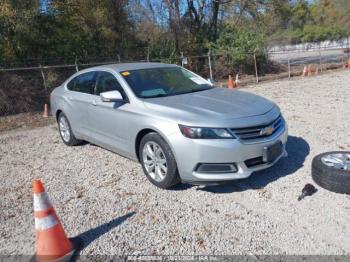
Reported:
(175, 123)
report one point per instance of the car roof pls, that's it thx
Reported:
(131, 66)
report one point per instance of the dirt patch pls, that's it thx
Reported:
(24, 121)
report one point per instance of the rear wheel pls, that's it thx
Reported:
(66, 132)
(158, 161)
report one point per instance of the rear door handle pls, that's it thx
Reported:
(70, 97)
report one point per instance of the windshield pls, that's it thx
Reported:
(165, 81)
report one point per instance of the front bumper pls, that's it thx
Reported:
(191, 152)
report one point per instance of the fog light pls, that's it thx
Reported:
(216, 168)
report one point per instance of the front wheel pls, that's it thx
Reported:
(158, 161)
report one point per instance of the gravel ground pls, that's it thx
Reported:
(107, 201)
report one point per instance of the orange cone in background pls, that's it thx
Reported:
(46, 111)
(52, 243)
(230, 82)
(305, 71)
(309, 70)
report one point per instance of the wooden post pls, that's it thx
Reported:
(288, 66)
(320, 57)
(148, 54)
(76, 64)
(348, 51)
(256, 69)
(210, 71)
(43, 76)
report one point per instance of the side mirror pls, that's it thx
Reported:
(111, 96)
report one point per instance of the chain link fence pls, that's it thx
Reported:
(25, 86)
(276, 65)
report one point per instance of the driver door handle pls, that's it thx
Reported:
(94, 103)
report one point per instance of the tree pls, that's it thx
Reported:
(88, 27)
(277, 16)
(17, 19)
(238, 45)
(300, 14)
(136, 29)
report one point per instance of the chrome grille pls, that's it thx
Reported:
(256, 132)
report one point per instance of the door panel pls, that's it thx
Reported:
(80, 96)
(108, 121)
(80, 103)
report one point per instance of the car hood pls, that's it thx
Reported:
(214, 106)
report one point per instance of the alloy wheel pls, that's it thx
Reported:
(337, 160)
(154, 161)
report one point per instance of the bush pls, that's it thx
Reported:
(237, 46)
(310, 33)
(316, 33)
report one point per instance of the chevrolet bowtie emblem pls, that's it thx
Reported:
(266, 131)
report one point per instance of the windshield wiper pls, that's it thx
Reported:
(174, 94)
(201, 89)
(193, 91)
(153, 96)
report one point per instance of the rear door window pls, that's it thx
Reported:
(84, 83)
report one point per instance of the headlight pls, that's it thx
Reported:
(205, 132)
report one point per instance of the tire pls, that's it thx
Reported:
(71, 140)
(329, 177)
(171, 176)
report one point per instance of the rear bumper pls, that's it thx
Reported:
(191, 152)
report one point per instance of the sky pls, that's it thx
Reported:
(43, 5)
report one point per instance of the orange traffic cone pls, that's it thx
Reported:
(304, 71)
(52, 243)
(230, 82)
(309, 70)
(46, 111)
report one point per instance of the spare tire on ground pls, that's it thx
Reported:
(331, 170)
